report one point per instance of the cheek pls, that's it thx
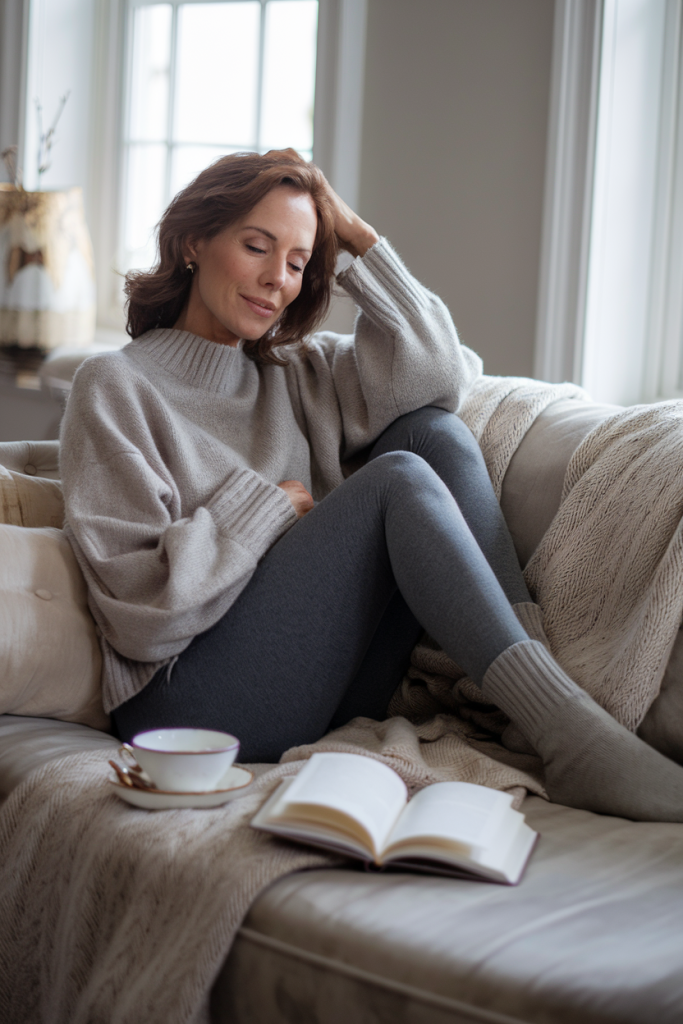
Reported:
(220, 279)
(295, 290)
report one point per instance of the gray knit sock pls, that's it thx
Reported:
(590, 760)
(530, 617)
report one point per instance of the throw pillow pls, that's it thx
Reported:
(50, 662)
(30, 500)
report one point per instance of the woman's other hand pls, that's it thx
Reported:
(298, 495)
(353, 234)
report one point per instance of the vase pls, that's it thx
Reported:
(47, 281)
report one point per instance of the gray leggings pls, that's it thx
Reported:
(324, 629)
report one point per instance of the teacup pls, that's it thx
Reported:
(184, 760)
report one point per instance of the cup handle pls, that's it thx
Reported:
(127, 755)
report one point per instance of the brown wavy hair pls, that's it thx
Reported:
(220, 195)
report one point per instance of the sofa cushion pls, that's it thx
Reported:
(591, 935)
(50, 662)
(28, 743)
(34, 458)
(30, 500)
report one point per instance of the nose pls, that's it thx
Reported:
(274, 273)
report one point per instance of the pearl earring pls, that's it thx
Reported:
(191, 267)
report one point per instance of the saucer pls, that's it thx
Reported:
(234, 783)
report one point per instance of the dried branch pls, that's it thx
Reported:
(46, 139)
(9, 156)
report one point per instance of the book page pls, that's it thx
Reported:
(456, 812)
(269, 819)
(361, 788)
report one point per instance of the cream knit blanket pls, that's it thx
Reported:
(108, 913)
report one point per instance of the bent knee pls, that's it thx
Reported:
(427, 427)
(400, 467)
(400, 479)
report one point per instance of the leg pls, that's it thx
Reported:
(443, 440)
(383, 667)
(449, 447)
(276, 667)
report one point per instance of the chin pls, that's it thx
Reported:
(254, 335)
(253, 332)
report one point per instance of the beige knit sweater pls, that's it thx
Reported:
(172, 450)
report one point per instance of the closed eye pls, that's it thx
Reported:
(255, 248)
(296, 267)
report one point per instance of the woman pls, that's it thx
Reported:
(238, 580)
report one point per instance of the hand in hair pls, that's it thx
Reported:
(353, 234)
(298, 495)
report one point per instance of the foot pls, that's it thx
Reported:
(513, 739)
(590, 760)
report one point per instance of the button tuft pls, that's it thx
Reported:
(30, 469)
(45, 595)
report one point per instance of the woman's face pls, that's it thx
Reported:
(247, 275)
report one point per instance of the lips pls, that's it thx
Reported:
(259, 306)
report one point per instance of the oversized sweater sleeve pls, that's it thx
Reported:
(158, 574)
(404, 353)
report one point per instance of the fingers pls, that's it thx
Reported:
(301, 500)
(354, 235)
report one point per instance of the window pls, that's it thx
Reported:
(611, 288)
(205, 79)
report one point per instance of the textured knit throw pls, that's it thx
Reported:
(112, 914)
(609, 571)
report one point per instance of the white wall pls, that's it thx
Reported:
(11, 70)
(453, 157)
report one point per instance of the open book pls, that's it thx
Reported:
(359, 806)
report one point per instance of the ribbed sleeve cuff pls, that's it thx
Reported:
(123, 678)
(378, 274)
(253, 511)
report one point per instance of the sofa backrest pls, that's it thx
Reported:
(34, 458)
(532, 488)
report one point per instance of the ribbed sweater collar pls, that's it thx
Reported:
(191, 359)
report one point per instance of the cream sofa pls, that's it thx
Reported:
(592, 934)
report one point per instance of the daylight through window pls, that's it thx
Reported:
(206, 79)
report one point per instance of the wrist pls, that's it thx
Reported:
(362, 238)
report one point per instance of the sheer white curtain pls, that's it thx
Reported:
(611, 289)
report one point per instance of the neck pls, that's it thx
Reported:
(197, 319)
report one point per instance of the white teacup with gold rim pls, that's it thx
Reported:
(184, 760)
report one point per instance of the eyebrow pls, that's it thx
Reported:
(269, 234)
